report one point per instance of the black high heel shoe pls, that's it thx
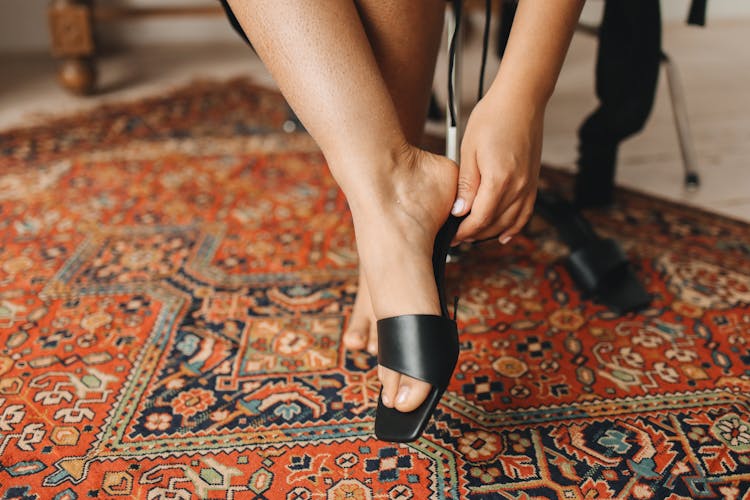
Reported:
(421, 346)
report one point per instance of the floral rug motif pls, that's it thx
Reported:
(175, 275)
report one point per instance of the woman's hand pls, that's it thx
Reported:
(499, 171)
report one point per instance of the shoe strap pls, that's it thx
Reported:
(421, 346)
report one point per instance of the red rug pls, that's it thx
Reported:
(175, 275)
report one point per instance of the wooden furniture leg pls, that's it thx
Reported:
(72, 34)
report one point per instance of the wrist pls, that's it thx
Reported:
(531, 102)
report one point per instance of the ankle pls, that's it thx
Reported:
(371, 181)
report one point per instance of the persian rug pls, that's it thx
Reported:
(175, 275)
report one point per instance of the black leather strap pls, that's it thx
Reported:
(422, 346)
(591, 265)
(439, 252)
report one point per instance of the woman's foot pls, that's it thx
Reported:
(396, 217)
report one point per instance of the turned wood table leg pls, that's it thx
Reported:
(72, 35)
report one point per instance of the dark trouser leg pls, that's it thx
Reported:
(627, 70)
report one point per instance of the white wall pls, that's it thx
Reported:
(23, 23)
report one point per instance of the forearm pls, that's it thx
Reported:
(500, 158)
(538, 42)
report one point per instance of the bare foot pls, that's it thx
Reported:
(361, 332)
(395, 221)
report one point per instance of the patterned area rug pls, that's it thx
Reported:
(175, 275)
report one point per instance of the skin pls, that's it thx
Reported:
(502, 145)
(359, 75)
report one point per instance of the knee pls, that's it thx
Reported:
(610, 125)
(632, 118)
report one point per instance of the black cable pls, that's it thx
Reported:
(485, 46)
(457, 7)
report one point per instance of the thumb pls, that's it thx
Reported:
(468, 184)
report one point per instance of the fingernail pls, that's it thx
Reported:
(506, 240)
(386, 399)
(458, 206)
(403, 392)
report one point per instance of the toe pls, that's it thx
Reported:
(411, 393)
(356, 337)
(372, 343)
(358, 334)
(390, 381)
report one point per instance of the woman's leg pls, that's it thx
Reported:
(399, 196)
(405, 38)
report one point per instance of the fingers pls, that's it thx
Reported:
(501, 224)
(502, 220)
(468, 183)
(487, 207)
(524, 214)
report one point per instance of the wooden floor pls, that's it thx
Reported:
(714, 64)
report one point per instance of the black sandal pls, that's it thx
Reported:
(421, 346)
(599, 267)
